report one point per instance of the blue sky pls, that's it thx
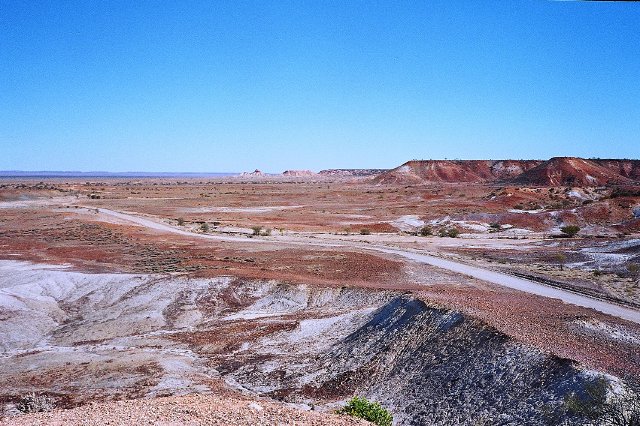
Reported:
(275, 85)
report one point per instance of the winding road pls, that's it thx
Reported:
(494, 277)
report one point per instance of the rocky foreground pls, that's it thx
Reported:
(185, 410)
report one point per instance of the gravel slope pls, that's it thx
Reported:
(189, 410)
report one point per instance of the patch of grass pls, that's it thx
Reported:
(367, 410)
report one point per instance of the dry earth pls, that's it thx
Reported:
(96, 308)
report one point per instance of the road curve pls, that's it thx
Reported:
(498, 278)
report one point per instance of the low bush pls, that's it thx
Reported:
(425, 231)
(570, 230)
(365, 231)
(367, 410)
(453, 233)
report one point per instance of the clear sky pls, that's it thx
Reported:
(275, 85)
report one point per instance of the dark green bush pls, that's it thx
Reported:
(425, 231)
(367, 410)
(570, 230)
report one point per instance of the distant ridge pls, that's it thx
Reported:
(573, 171)
(441, 171)
(352, 172)
(557, 171)
(22, 173)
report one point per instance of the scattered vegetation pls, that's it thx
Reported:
(425, 231)
(204, 227)
(32, 403)
(570, 230)
(365, 231)
(256, 229)
(367, 410)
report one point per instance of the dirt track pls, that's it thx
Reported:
(474, 271)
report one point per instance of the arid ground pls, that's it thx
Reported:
(283, 294)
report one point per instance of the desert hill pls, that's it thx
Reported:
(557, 171)
(438, 171)
(572, 171)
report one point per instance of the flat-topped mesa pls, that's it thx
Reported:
(352, 172)
(298, 173)
(573, 171)
(256, 172)
(452, 171)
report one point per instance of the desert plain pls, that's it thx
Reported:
(452, 292)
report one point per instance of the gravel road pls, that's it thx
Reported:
(457, 267)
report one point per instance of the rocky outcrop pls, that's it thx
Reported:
(558, 171)
(351, 172)
(571, 171)
(452, 171)
(428, 365)
(298, 173)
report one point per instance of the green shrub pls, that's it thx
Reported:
(365, 231)
(570, 230)
(453, 233)
(180, 221)
(204, 227)
(425, 231)
(367, 410)
(256, 229)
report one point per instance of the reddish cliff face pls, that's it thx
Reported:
(571, 171)
(451, 171)
(558, 171)
(626, 168)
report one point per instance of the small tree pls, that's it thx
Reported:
(561, 259)
(367, 410)
(256, 229)
(570, 230)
